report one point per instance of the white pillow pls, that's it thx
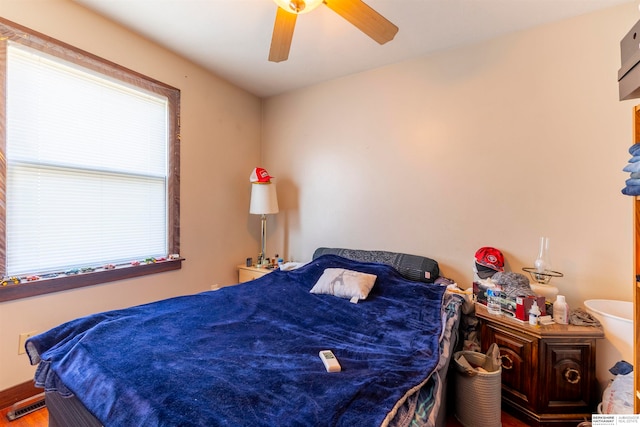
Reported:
(344, 283)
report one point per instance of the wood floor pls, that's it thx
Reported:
(506, 419)
(40, 418)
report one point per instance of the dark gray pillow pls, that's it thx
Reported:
(413, 267)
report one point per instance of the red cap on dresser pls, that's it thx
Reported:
(491, 258)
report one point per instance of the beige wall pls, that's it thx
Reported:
(220, 145)
(495, 144)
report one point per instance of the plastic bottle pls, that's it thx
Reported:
(494, 295)
(561, 311)
(534, 313)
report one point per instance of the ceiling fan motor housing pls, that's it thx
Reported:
(297, 5)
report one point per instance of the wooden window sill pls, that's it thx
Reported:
(26, 289)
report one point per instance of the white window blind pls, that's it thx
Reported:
(86, 167)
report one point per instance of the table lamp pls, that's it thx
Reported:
(541, 273)
(264, 200)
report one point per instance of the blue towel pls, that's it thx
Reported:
(632, 167)
(621, 368)
(635, 174)
(631, 190)
(634, 150)
(634, 159)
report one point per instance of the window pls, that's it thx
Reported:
(89, 168)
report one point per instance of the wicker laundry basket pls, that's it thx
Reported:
(478, 396)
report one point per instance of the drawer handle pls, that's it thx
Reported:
(506, 357)
(572, 376)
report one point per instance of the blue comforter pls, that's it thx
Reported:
(248, 355)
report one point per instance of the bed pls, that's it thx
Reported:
(249, 354)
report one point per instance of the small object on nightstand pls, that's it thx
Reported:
(561, 311)
(546, 320)
(494, 296)
(249, 262)
(534, 313)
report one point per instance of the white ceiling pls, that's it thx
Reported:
(232, 37)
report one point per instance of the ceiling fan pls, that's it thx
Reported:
(356, 12)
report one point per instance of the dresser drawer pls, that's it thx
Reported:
(246, 274)
(518, 378)
(569, 370)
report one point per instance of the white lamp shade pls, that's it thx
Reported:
(264, 199)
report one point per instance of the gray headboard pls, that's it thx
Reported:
(413, 267)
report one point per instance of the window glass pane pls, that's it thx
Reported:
(87, 167)
(62, 115)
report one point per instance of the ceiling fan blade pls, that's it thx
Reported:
(364, 18)
(282, 35)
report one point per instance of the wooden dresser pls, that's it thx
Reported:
(548, 372)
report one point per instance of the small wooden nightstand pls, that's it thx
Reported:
(548, 372)
(246, 274)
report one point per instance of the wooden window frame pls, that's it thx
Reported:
(12, 291)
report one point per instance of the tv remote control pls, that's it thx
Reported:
(330, 361)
